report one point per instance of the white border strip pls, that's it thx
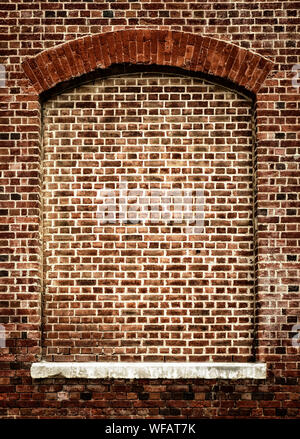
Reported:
(92, 370)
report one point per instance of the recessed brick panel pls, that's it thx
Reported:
(159, 289)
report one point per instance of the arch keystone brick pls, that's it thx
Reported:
(142, 46)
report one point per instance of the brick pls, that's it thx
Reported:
(77, 57)
(104, 50)
(97, 50)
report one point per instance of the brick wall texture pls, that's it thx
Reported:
(149, 96)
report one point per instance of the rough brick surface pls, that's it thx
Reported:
(46, 44)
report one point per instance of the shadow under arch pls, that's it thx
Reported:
(127, 69)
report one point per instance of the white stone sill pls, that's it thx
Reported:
(126, 370)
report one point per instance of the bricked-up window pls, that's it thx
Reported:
(148, 291)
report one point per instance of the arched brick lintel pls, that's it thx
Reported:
(149, 47)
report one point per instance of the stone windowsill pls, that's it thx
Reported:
(92, 370)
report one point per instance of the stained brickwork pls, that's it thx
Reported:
(37, 52)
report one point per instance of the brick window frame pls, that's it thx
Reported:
(57, 68)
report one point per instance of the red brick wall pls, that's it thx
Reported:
(269, 29)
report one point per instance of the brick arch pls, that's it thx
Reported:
(147, 47)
